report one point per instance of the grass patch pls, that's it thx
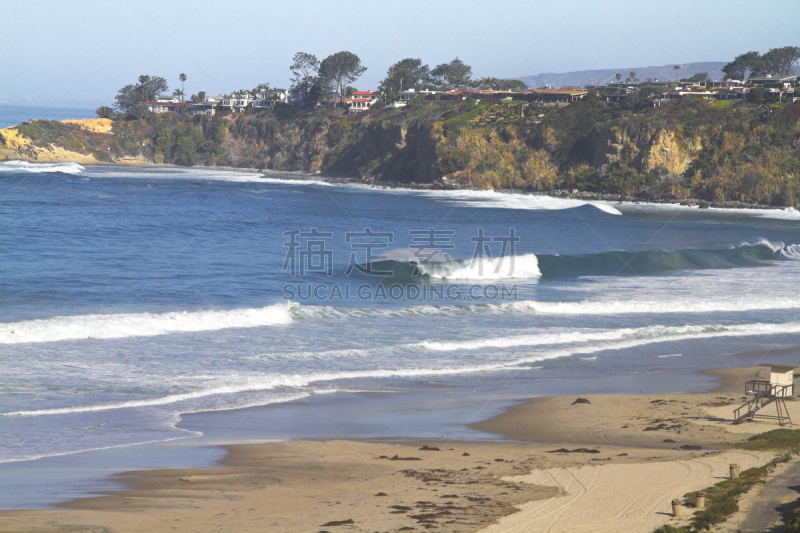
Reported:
(775, 440)
(464, 118)
(721, 104)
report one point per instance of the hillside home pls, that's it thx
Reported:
(732, 93)
(410, 94)
(267, 99)
(236, 102)
(207, 107)
(163, 105)
(729, 84)
(563, 95)
(680, 92)
(774, 82)
(361, 101)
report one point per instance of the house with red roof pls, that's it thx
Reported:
(163, 105)
(361, 101)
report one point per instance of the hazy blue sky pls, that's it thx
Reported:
(88, 49)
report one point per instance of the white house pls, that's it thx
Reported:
(680, 92)
(267, 99)
(236, 102)
(729, 84)
(207, 107)
(163, 105)
(362, 101)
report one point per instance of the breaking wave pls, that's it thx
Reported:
(25, 166)
(480, 269)
(116, 326)
(532, 266)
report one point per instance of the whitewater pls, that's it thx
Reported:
(132, 297)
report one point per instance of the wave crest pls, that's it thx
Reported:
(115, 326)
(40, 168)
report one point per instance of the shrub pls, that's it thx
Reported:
(666, 528)
(793, 525)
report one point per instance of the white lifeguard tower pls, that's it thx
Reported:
(779, 387)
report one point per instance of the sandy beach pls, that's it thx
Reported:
(609, 463)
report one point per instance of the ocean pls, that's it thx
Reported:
(11, 114)
(142, 305)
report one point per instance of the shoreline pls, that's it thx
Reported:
(327, 481)
(439, 185)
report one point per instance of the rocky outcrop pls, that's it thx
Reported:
(645, 148)
(670, 151)
(76, 141)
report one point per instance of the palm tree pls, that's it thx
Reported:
(182, 77)
(632, 75)
(144, 80)
(618, 76)
(676, 68)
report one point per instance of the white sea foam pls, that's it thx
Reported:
(655, 333)
(297, 181)
(585, 307)
(542, 339)
(788, 213)
(513, 200)
(665, 306)
(39, 168)
(487, 269)
(791, 252)
(263, 383)
(115, 326)
(633, 337)
(694, 332)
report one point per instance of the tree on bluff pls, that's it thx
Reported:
(405, 74)
(304, 69)
(339, 70)
(741, 66)
(130, 99)
(778, 62)
(455, 74)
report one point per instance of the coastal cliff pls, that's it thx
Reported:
(716, 151)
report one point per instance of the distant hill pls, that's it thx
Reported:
(583, 78)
